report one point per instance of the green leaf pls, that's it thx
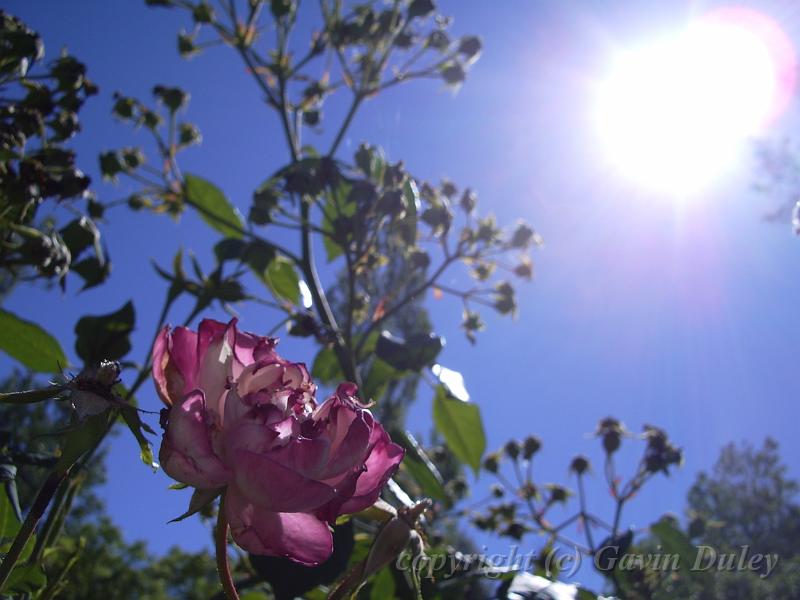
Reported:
(25, 579)
(80, 234)
(336, 206)
(254, 595)
(283, 280)
(413, 354)
(92, 271)
(265, 201)
(259, 257)
(30, 344)
(9, 527)
(9, 524)
(371, 161)
(382, 585)
(370, 343)
(8, 474)
(213, 206)
(408, 226)
(326, 367)
(229, 249)
(424, 477)
(379, 376)
(134, 422)
(332, 249)
(674, 541)
(105, 337)
(199, 500)
(81, 439)
(461, 426)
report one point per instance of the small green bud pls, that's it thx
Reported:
(189, 134)
(203, 13)
(469, 201)
(558, 493)
(491, 463)
(522, 236)
(453, 74)
(515, 530)
(528, 491)
(579, 465)
(531, 446)
(470, 46)
(512, 449)
(420, 8)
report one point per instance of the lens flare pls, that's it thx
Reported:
(674, 113)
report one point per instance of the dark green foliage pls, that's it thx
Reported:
(30, 344)
(749, 491)
(413, 354)
(107, 566)
(747, 503)
(38, 114)
(747, 499)
(105, 337)
(392, 235)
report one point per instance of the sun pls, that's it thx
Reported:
(673, 114)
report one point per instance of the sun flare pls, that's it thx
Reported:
(674, 113)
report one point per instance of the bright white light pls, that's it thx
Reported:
(305, 294)
(674, 113)
(452, 380)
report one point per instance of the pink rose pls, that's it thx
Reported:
(242, 417)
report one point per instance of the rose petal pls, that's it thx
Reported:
(259, 431)
(382, 463)
(275, 487)
(259, 376)
(252, 348)
(215, 342)
(300, 537)
(296, 376)
(160, 358)
(186, 451)
(175, 363)
(183, 350)
(349, 450)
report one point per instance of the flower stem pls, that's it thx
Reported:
(223, 567)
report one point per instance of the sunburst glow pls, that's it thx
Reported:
(673, 113)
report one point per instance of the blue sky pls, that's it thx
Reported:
(680, 315)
